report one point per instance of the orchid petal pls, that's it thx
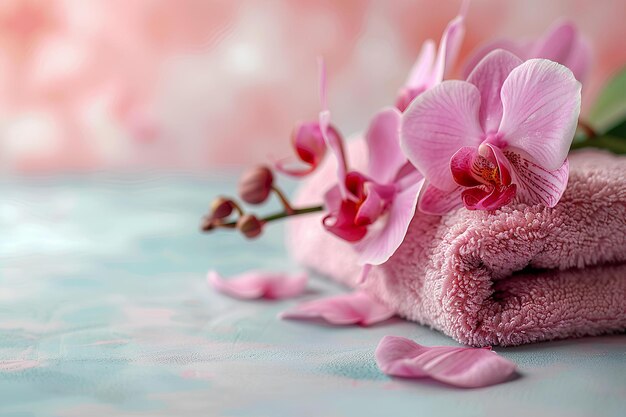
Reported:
(332, 199)
(335, 144)
(341, 222)
(383, 239)
(293, 167)
(448, 49)
(518, 49)
(579, 59)
(557, 42)
(434, 201)
(541, 103)
(563, 43)
(458, 366)
(355, 308)
(436, 125)
(488, 77)
(462, 164)
(423, 66)
(488, 199)
(497, 157)
(537, 185)
(383, 143)
(371, 208)
(258, 284)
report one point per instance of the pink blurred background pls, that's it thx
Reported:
(203, 84)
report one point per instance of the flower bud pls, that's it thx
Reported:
(207, 224)
(250, 226)
(309, 143)
(221, 208)
(255, 185)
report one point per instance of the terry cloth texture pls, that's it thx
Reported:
(518, 275)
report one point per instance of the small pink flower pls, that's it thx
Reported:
(257, 284)
(374, 210)
(355, 308)
(458, 366)
(503, 133)
(429, 69)
(561, 43)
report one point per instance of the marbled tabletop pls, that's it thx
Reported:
(105, 311)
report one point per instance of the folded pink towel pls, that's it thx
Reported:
(521, 274)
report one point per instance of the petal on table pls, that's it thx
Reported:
(260, 284)
(355, 308)
(458, 366)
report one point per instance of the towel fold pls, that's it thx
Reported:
(519, 275)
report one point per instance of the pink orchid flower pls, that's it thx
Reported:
(459, 366)
(561, 43)
(355, 308)
(429, 69)
(374, 210)
(308, 138)
(503, 133)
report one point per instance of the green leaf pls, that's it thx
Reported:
(609, 109)
(610, 143)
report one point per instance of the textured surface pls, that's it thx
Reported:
(502, 278)
(105, 311)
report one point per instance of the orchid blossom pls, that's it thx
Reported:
(561, 43)
(429, 69)
(373, 210)
(503, 133)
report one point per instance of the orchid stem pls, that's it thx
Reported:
(283, 199)
(277, 216)
(589, 131)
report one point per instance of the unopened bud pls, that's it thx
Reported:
(309, 143)
(221, 208)
(255, 185)
(207, 224)
(250, 226)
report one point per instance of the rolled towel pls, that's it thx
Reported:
(518, 275)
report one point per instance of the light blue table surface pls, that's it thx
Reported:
(105, 311)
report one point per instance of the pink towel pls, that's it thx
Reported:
(522, 274)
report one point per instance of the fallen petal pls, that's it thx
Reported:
(258, 284)
(458, 366)
(355, 308)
